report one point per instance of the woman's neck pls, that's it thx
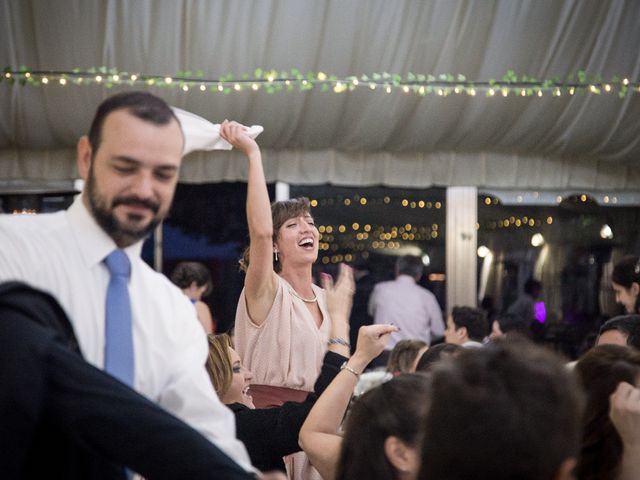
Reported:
(300, 280)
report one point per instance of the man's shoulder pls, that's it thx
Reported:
(21, 234)
(38, 224)
(387, 284)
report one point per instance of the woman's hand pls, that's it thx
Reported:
(236, 134)
(371, 341)
(624, 412)
(340, 294)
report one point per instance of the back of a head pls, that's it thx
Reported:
(600, 370)
(395, 408)
(435, 354)
(186, 273)
(509, 410)
(473, 319)
(403, 356)
(142, 105)
(511, 322)
(628, 325)
(409, 265)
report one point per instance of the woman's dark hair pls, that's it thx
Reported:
(600, 371)
(403, 355)
(395, 408)
(436, 353)
(186, 273)
(508, 410)
(627, 272)
(280, 212)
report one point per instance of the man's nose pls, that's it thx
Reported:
(143, 186)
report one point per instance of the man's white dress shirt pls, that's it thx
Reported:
(409, 306)
(62, 253)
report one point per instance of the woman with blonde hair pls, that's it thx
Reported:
(271, 433)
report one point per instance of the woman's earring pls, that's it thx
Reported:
(276, 255)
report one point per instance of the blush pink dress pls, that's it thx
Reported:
(286, 350)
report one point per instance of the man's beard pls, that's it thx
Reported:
(121, 234)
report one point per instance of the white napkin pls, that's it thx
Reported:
(201, 134)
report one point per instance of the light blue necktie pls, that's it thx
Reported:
(118, 349)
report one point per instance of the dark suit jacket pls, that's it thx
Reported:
(63, 418)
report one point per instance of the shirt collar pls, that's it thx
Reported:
(405, 278)
(93, 242)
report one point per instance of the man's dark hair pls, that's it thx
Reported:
(507, 410)
(142, 105)
(409, 265)
(511, 322)
(629, 325)
(473, 319)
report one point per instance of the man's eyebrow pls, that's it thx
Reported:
(125, 159)
(133, 162)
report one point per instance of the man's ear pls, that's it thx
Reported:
(462, 333)
(403, 458)
(635, 288)
(566, 471)
(84, 153)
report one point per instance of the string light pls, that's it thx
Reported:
(420, 84)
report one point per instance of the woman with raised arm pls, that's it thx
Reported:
(282, 322)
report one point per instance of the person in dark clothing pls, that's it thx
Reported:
(359, 313)
(62, 418)
(270, 433)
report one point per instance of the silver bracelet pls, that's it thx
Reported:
(349, 369)
(339, 341)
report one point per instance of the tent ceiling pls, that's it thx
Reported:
(362, 137)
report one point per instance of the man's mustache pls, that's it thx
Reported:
(137, 202)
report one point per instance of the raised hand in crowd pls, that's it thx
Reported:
(624, 412)
(319, 436)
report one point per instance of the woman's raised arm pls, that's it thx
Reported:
(260, 282)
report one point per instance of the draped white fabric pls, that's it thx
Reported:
(355, 138)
